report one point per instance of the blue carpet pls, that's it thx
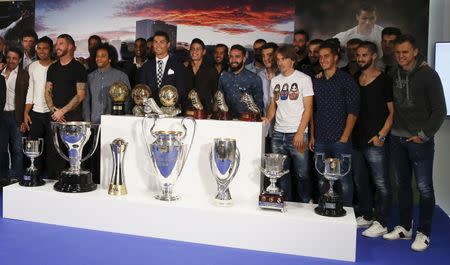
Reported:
(28, 243)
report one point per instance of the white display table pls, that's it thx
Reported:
(194, 218)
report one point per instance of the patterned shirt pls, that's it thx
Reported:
(335, 98)
(234, 85)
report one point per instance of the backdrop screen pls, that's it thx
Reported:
(442, 66)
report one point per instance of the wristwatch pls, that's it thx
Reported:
(382, 138)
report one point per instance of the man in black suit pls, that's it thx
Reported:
(163, 69)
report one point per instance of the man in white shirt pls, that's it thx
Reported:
(291, 105)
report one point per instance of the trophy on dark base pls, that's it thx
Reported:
(220, 108)
(139, 94)
(273, 197)
(168, 96)
(118, 93)
(32, 149)
(75, 135)
(253, 113)
(331, 203)
(197, 111)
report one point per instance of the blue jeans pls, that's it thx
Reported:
(406, 158)
(10, 137)
(282, 143)
(371, 162)
(345, 184)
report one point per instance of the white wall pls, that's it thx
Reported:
(439, 30)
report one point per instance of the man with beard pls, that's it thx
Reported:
(369, 137)
(221, 58)
(257, 65)
(388, 36)
(352, 66)
(301, 39)
(239, 81)
(93, 42)
(28, 41)
(314, 67)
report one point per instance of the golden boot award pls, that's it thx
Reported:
(196, 111)
(220, 107)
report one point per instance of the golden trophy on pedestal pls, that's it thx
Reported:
(119, 93)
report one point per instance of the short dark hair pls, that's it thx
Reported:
(288, 51)
(391, 31)
(372, 47)
(316, 41)
(260, 41)
(221, 45)
(198, 41)
(29, 33)
(95, 37)
(302, 32)
(47, 40)
(270, 45)
(354, 41)
(162, 34)
(406, 38)
(150, 39)
(15, 50)
(141, 40)
(68, 38)
(331, 44)
(239, 47)
(365, 7)
(111, 50)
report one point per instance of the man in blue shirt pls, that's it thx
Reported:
(337, 102)
(239, 81)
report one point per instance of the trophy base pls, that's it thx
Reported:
(118, 109)
(249, 116)
(221, 115)
(117, 190)
(196, 114)
(331, 206)
(272, 201)
(166, 197)
(75, 183)
(31, 179)
(223, 203)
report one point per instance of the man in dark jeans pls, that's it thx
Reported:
(420, 111)
(337, 107)
(371, 130)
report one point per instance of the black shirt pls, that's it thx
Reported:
(205, 83)
(64, 79)
(373, 111)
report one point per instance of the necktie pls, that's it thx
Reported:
(159, 73)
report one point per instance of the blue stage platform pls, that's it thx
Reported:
(27, 243)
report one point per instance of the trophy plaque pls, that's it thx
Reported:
(273, 197)
(196, 111)
(220, 108)
(32, 149)
(118, 93)
(117, 184)
(139, 94)
(253, 113)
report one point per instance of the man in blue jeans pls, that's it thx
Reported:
(337, 108)
(420, 111)
(369, 136)
(291, 97)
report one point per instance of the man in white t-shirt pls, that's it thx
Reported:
(291, 105)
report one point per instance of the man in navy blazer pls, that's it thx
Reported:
(163, 69)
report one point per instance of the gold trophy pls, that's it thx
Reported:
(253, 111)
(118, 92)
(168, 96)
(196, 111)
(139, 93)
(220, 108)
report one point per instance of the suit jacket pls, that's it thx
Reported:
(177, 79)
(2, 93)
(21, 94)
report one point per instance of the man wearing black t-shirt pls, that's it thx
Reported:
(66, 83)
(372, 128)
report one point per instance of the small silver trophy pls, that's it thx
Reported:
(224, 160)
(273, 197)
(331, 203)
(168, 154)
(117, 184)
(32, 149)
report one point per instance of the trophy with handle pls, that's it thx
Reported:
(168, 153)
(74, 135)
(32, 149)
(117, 184)
(331, 203)
(224, 161)
(273, 197)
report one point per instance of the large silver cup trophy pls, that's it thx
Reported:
(331, 203)
(168, 153)
(117, 184)
(224, 160)
(273, 197)
(32, 149)
(75, 135)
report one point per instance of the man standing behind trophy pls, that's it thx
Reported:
(337, 101)
(163, 69)
(292, 112)
(239, 81)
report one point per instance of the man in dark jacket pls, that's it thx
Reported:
(419, 113)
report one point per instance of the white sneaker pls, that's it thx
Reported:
(375, 230)
(398, 233)
(421, 242)
(363, 223)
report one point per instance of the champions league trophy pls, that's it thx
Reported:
(253, 113)
(273, 197)
(224, 160)
(118, 92)
(220, 108)
(117, 184)
(168, 154)
(139, 94)
(32, 149)
(74, 135)
(331, 203)
(197, 111)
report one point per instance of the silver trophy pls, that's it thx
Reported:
(331, 203)
(224, 160)
(273, 197)
(117, 184)
(32, 149)
(75, 135)
(168, 153)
